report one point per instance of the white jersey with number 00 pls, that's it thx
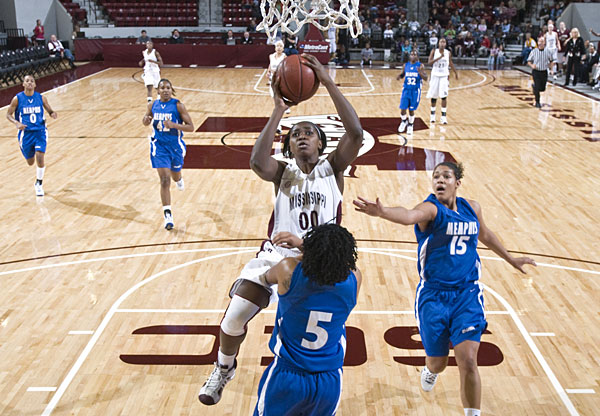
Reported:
(306, 200)
(440, 68)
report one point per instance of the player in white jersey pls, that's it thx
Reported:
(552, 44)
(308, 193)
(152, 62)
(441, 61)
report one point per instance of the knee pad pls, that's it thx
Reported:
(237, 316)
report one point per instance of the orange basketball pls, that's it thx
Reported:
(298, 81)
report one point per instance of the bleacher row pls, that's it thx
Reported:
(76, 12)
(152, 13)
(35, 60)
(237, 12)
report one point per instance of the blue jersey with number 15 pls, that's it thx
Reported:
(447, 255)
(412, 78)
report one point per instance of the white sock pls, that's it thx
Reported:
(411, 119)
(149, 99)
(166, 207)
(179, 182)
(226, 360)
(39, 173)
(403, 117)
(472, 412)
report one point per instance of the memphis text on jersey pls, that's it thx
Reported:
(30, 110)
(302, 199)
(461, 228)
(162, 116)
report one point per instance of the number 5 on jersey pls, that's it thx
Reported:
(312, 327)
(458, 244)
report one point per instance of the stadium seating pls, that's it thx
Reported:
(76, 12)
(152, 13)
(34, 60)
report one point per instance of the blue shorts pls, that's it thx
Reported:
(445, 316)
(167, 155)
(284, 390)
(31, 141)
(410, 98)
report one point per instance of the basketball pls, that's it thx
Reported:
(298, 81)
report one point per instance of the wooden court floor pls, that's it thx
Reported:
(103, 312)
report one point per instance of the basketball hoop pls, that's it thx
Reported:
(281, 14)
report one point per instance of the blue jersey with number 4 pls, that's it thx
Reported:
(412, 78)
(162, 111)
(30, 111)
(447, 255)
(310, 330)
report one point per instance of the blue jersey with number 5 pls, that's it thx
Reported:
(447, 255)
(30, 111)
(412, 78)
(162, 111)
(310, 329)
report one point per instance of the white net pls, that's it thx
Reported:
(290, 15)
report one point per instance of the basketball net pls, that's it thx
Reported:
(281, 14)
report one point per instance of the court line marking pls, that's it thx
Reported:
(67, 84)
(90, 345)
(365, 250)
(81, 332)
(41, 388)
(580, 391)
(273, 311)
(529, 340)
(542, 334)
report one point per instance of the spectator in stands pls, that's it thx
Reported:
(252, 25)
(511, 12)
(493, 56)
(469, 45)
(175, 37)
(433, 41)
(38, 33)
(403, 26)
(520, 6)
(247, 40)
(501, 57)
(143, 38)
(367, 55)
(290, 43)
(556, 11)
(366, 33)
(459, 46)
(563, 36)
(544, 14)
(455, 19)
(229, 39)
(575, 52)
(56, 47)
(342, 57)
(528, 46)
(588, 64)
(388, 37)
(413, 29)
(450, 35)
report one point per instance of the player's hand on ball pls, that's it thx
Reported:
(374, 209)
(320, 71)
(287, 240)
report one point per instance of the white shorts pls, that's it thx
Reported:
(268, 256)
(554, 53)
(151, 78)
(438, 87)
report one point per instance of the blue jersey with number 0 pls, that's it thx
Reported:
(310, 330)
(447, 255)
(162, 111)
(30, 111)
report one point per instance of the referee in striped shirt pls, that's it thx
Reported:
(539, 60)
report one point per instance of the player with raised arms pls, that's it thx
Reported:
(449, 299)
(413, 74)
(308, 193)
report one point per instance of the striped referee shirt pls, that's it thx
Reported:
(541, 58)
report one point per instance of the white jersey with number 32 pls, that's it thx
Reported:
(306, 200)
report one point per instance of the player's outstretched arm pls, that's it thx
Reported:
(11, 111)
(487, 237)
(49, 109)
(261, 162)
(351, 141)
(422, 213)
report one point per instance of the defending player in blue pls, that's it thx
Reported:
(316, 294)
(413, 74)
(449, 299)
(28, 106)
(169, 119)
